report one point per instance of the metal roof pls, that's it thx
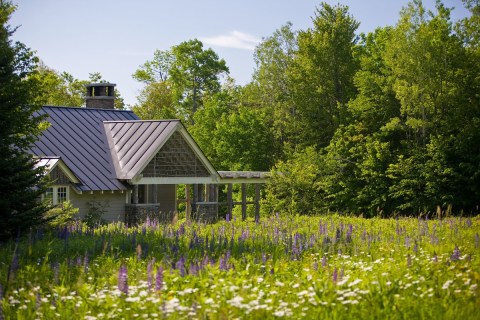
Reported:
(77, 136)
(134, 143)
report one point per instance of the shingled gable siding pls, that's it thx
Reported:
(58, 177)
(175, 159)
(115, 203)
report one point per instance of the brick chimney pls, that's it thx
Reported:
(100, 95)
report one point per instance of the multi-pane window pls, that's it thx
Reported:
(56, 195)
(62, 194)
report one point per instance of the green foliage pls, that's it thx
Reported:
(62, 215)
(392, 116)
(96, 210)
(63, 89)
(21, 183)
(294, 186)
(177, 80)
(322, 74)
(156, 102)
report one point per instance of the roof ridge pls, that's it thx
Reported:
(86, 109)
(130, 121)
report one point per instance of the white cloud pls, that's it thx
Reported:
(235, 39)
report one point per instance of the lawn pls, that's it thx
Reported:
(327, 267)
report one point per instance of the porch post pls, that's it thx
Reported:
(244, 201)
(257, 202)
(188, 203)
(135, 194)
(229, 200)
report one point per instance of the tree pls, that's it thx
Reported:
(194, 73)
(322, 74)
(271, 87)
(156, 102)
(157, 69)
(21, 183)
(63, 89)
(232, 135)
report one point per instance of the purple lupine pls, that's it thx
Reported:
(407, 242)
(415, 247)
(324, 261)
(456, 254)
(335, 275)
(315, 266)
(123, 279)
(180, 265)
(159, 279)
(149, 273)
(193, 270)
(223, 264)
(227, 217)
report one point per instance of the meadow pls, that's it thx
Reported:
(327, 267)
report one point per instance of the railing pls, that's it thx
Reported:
(205, 212)
(138, 213)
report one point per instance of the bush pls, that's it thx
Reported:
(61, 216)
(96, 210)
(294, 186)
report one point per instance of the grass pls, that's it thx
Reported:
(328, 267)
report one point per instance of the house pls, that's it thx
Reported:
(100, 156)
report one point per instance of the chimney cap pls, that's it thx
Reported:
(101, 84)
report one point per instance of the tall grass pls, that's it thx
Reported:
(294, 267)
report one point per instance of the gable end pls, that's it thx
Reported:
(175, 159)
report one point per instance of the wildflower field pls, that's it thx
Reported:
(327, 267)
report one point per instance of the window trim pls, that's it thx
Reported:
(55, 191)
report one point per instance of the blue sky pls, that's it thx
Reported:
(115, 37)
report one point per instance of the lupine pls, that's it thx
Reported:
(149, 273)
(335, 274)
(456, 254)
(180, 265)
(123, 279)
(159, 279)
(324, 261)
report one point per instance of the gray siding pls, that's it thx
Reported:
(114, 203)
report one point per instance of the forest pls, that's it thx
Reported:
(375, 124)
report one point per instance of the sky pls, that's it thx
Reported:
(115, 37)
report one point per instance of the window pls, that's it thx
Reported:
(56, 195)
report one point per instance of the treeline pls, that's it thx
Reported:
(382, 123)
(377, 124)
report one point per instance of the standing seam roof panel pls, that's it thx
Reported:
(149, 144)
(78, 137)
(86, 146)
(141, 159)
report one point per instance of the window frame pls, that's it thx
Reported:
(55, 191)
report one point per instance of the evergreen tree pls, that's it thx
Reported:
(21, 184)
